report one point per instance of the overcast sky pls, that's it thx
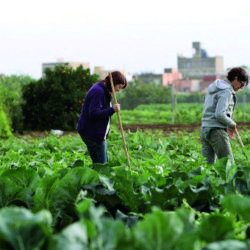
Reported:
(135, 35)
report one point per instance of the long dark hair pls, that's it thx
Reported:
(118, 78)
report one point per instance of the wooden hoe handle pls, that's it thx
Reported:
(239, 138)
(119, 119)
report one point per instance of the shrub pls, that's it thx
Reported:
(55, 101)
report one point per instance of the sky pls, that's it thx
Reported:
(135, 35)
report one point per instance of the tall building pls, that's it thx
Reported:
(200, 64)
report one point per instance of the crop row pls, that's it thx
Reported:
(169, 199)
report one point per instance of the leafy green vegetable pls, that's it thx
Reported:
(20, 229)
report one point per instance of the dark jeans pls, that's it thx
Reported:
(98, 151)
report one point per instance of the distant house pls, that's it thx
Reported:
(183, 85)
(194, 85)
(170, 75)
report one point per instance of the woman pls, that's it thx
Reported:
(217, 116)
(94, 122)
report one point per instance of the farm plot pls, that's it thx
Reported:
(52, 197)
(184, 113)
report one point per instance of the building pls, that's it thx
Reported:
(170, 75)
(200, 64)
(187, 85)
(99, 70)
(194, 85)
(74, 65)
(206, 81)
(149, 78)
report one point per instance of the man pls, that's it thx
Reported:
(94, 122)
(217, 116)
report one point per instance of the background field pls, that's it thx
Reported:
(184, 113)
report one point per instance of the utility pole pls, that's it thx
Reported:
(172, 102)
(244, 106)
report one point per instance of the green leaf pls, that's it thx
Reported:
(59, 195)
(10, 193)
(218, 226)
(84, 209)
(77, 163)
(116, 237)
(239, 205)
(161, 197)
(124, 182)
(164, 230)
(42, 199)
(220, 166)
(198, 198)
(71, 238)
(226, 245)
(129, 220)
(20, 229)
(17, 186)
(25, 178)
(231, 169)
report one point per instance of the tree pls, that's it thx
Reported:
(55, 101)
(138, 93)
(5, 130)
(11, 98)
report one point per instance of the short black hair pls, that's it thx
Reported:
(240, 73)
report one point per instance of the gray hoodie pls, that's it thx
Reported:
(219, 105)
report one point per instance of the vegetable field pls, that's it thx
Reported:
(52, 197)
(184, 113)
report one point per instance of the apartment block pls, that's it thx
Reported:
(200, 64)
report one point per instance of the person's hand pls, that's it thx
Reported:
(116, 107)
(231, 132)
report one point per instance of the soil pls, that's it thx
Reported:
(166, 128)
(39, 134)
(176, 127)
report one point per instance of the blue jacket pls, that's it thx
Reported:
(95, 114)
